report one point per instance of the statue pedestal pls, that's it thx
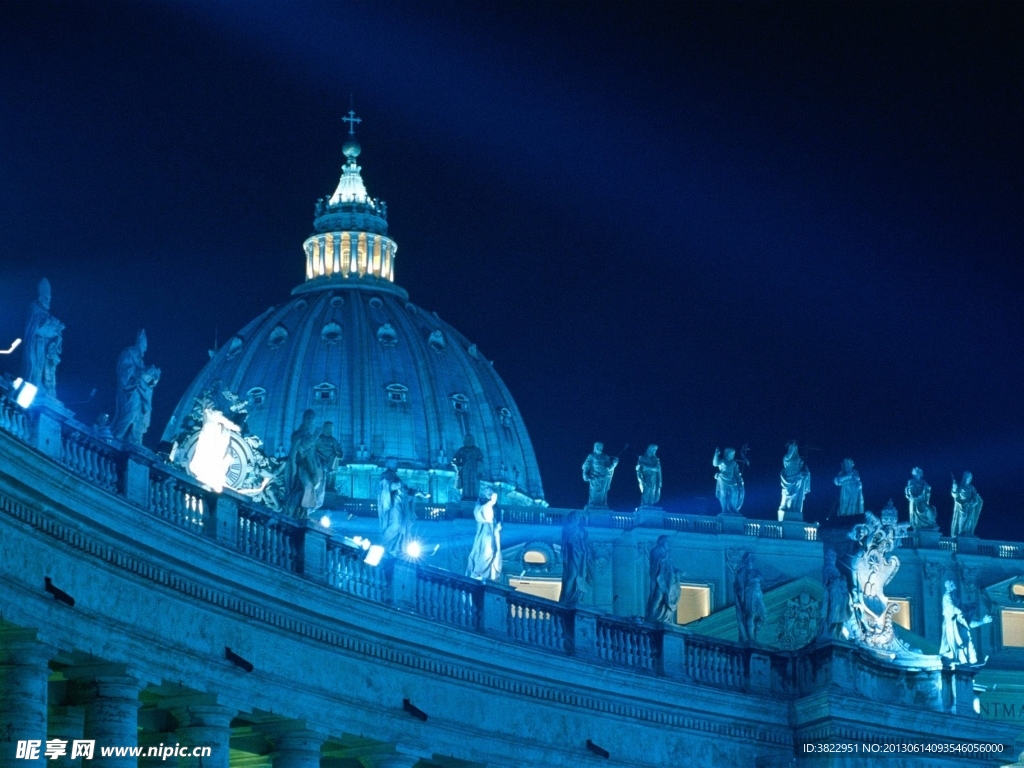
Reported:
(648, 517)
(734, 524)
(929, 538)
(967, 545)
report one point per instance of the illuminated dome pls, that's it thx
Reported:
(395, 379)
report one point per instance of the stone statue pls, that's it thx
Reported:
(851, 492)
(136, 381)
(43, 343)
(304, 474)
(467, 461)
(729, 480)
(597, 471)
(919, 495)
(648, 473)
(872, 565)
(750, 612)
(485, 556)
(577, 560)
(966, 507)
(796, 484)
(396, 510)
(663, 597)
(957, 645)
(329, 452)
(835, 607)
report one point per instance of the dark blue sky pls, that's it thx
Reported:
(699, 225)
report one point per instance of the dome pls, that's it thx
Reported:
(395, 380)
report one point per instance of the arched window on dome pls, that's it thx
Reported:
(436, 341)
(331, 333)
(386, 335)
(397, 393)
(461, 405)
(256, 396)
(234, 346)
(324, 392)
(277, 337)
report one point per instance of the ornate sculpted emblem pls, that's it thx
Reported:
(873, 568)
(799, 623)
(215, 448)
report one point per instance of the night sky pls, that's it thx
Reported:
(694, 225)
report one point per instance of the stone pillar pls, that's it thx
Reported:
(314, 552)
(66, 724)
(403, 584)
(110, 698)
(224, 526)
(626, 581)
(204, 725)
(24, 673)
(297, 748)
(136, 479)
(159, 741)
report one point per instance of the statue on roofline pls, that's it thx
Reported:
(796, 484)
(663, 595)
(729, 479)
(133, 406)
(919, 498)
(305, 480)
(648, 474)
(597, 473)
(966, 506)
(851, 491)
(43, 343)
(467, 461)
(957, 645)
(485, 555)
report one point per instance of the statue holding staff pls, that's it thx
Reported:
(43, 343)
(133, 406)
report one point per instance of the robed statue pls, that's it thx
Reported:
(919, 496)
(467, 461)
(851, 492)
(729, 480)
(396, 510)
(663, 596)
(835, 607)
(796, 484)
(957, 645)
(577, 560)
(43, 343)
(305, 480)
(750, 610)
(485, 556)
(966, 507)
(597, 473)
(133, 406)
(329, 452)
(648, 474)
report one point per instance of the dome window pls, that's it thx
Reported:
(234, 347)
(397, 393)
(278, 336)
(386, 335)
(436, 341)
(324, 392)
(300, 305)
(376, 303)
(461, 405)
(331, 333)
(257, 395)
(337, 301)
(411, 307)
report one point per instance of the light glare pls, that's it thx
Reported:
(413, 549)
(373, 556)
(26, 393)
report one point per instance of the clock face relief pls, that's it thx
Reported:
(236, 469)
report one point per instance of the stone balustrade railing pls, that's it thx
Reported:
(307, 549)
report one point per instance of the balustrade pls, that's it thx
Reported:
(347, 572)
(267, 538)
(90, 458)
(708, 662)
(13, 419)
(627, 646)
(538, 622)
(178, 501)
(448, 599)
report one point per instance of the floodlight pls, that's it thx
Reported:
(373, 556)
(325, 521)
(413, 549)
(24, 392)
(14, 346)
